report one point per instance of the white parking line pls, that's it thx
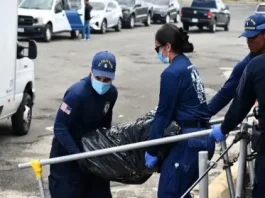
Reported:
(49, 128)
(226, 71)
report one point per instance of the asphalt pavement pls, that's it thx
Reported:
(65, 61)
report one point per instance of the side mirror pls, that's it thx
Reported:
(32, 54)
(227, 7)
(171, 5)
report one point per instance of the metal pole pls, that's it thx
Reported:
(119, 148)
(250, 166)
(228, 171)
(203, 165)
(241, 168)
(42, 194)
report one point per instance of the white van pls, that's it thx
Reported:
(17, 73)
(43, 18)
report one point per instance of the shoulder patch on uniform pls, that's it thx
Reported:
(65, 108)
(106, 107)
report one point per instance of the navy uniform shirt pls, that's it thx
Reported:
(82, 109)
(227, 92)
(182, 97)
(251, 87)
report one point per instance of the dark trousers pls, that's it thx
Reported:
(180, 168)
(67, 180)
(259, 182)
(85, 187)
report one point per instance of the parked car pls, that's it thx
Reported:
(209, 13)
(165, 10)
(135, 11)
(260, 9)
(105, 14)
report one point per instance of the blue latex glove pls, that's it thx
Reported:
(150, 161)
(217, 133)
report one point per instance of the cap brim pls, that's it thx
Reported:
(250, 33)
(261, 27)
(106, 74)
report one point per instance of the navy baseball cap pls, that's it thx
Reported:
(254, 25)
(104, 64)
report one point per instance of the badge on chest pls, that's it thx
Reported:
(106, 108)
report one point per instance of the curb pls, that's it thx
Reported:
(218, 188)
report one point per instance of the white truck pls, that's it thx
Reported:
(17, 73)
(45, 18)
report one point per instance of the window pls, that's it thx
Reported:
(58, 6)
(126, 2)
(97, 5)
(75, 4)
(261, 8)
(66, 5)
(160, 2)
(111, 5)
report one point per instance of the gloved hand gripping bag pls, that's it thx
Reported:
(126, 167)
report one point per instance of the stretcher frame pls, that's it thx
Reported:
(203, 162)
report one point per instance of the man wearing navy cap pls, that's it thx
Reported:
(87, 105)
(255, 36)
(248, 88)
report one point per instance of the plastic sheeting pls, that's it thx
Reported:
(125, 167)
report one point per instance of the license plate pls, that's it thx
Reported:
(194, 20)
(20, 30)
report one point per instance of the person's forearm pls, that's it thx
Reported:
(64, 137)
(158, 127)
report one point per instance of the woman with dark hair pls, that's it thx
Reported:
(182, 98)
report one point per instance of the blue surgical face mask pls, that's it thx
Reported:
(100, 87)
(162, 58)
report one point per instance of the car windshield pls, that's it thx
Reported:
(159, 2)
(126, 2)
(37, 4)
(97, 5)
(261, 8)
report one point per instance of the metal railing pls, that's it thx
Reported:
(204, 168)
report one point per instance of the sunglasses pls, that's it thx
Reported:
(157, 48)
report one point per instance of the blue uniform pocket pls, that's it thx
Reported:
(171, 179)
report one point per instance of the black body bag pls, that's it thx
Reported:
(126, 167)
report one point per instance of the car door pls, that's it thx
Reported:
(110, 14)
(58, 17)
(139, 10)
(78, 5)
(225, 12)
(117, 13)
(220, 13)
(172, 9)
